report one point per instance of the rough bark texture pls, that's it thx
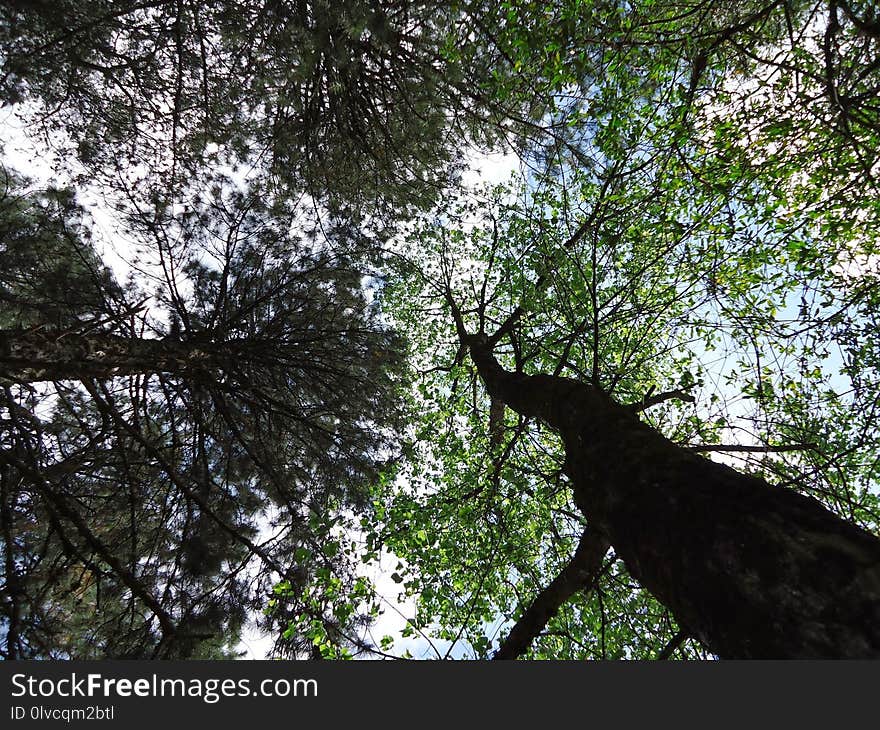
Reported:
(28, 356)
(752, 570)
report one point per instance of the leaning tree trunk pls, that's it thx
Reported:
(33, 355)
(750, 569)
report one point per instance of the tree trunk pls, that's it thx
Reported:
(751, 569)
(28, 356)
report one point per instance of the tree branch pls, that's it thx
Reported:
(652, 400)
(581, 573)
(754, 449)
(65, 510)
(673, 644)
(868, 27)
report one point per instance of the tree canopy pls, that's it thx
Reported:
(621, 406)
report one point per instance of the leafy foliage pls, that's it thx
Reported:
(693, 234)
(686, 237)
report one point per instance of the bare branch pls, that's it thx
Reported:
(751, 448)
(653, 400)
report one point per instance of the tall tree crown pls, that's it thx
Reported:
(684, 274)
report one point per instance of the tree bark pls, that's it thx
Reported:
(750, 569)
(28, 356)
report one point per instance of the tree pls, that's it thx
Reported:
(263, 395)
(688, 268)
(351, 102)
(685, 237)
(211, 133)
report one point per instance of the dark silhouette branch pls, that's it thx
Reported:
(579, 574)
(654, 399)
(60, 504)
(673, 644)
(751, 448)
